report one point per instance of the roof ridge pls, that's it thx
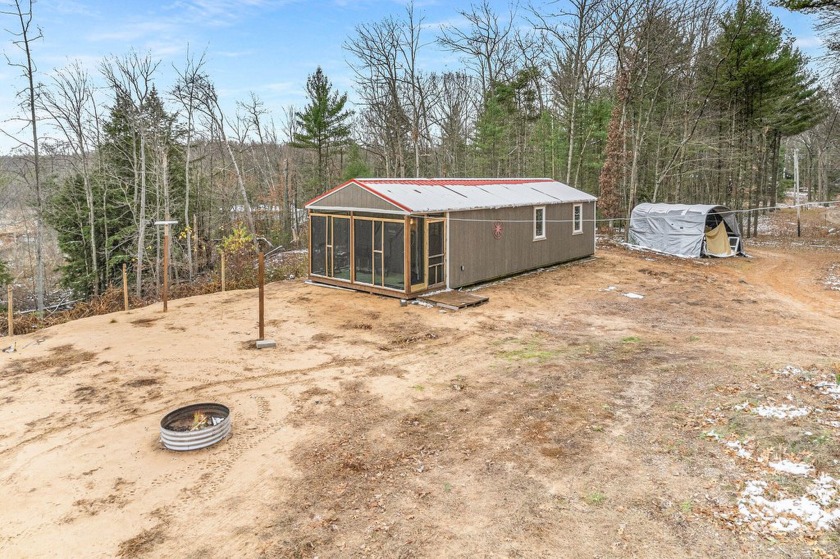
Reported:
(446, 181)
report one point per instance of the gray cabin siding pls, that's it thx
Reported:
(354, 197)
(475, 255)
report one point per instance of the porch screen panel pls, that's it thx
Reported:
(393, 255)
(318, 258)
(341, 248)
(377, 252)
(435, 252)
(363, 250)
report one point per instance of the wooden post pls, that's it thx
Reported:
(125, 288)
(223, 270)
(261, 279)
(165, 266)
(796, 192)
(11, 304)
(195, 242)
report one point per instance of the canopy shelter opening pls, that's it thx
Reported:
(686, 230)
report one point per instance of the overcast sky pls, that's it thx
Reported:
(265, 46)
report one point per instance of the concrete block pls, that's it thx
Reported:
(266, 344)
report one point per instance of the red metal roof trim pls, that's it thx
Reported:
(453, 182)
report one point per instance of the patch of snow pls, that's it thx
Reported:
(789, 370)
(634, 296)
(610, 288)
(782, 412)
(832, 279)
(742, 406)
(790, 514)
(739, 449)
(824, 489)
(736, 445)
(829, 389)
(795, 468)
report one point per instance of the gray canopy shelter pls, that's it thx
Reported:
(686, 230)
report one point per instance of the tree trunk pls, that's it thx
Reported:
(141, 222)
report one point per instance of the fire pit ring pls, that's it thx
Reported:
(195, 426)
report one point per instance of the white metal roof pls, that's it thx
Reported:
(448, 194)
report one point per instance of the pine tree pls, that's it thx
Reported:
(764, 93)
(323, 123)
(113, 186)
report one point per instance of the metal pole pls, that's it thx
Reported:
(261, 275)
(125, 288)
(165, 266)
(796, 191)
(11, 303)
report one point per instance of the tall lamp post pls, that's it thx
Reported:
(166, 224)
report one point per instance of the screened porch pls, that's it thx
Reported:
(373, 251)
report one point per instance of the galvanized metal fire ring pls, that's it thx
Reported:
(195, 426)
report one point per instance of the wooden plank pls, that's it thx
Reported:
(454, 300)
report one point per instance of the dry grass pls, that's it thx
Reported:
(141, 544)
(58, 362)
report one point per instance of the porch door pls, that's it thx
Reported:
(435, 254)
(417, 255)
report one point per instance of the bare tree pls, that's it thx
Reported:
(487, 46)
(69, 101)
(290, 189)
(185, 92)
(376, 48)
(207, 102)
(577, 38)
(24, 36)
(414, 82)
(453, 115)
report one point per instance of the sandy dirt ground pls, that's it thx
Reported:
(561, 419)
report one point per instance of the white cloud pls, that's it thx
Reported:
(234, 53)
(133, 31)
(71, 7)
(808, 42)
(220, 13)
(280, 87)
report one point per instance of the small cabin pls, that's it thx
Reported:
(407, 237)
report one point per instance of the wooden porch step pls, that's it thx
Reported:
(454, 300)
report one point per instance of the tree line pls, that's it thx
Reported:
(659, 100)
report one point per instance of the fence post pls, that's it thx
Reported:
(11, 303)
(223, 270)
(125, 288)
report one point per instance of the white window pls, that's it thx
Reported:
(539, 223)
(577, 219)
